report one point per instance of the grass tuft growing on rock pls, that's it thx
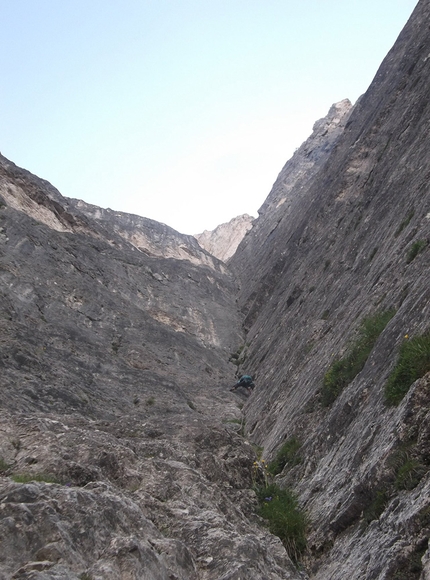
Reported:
(412, 364)
(376, 507)
(4, 466)
(284, 517)
(344, 370)
(287, 455)
(407, 466)
(415, 249)
(27, 477)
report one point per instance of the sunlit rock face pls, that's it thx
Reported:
(333, 245)
(223, 241)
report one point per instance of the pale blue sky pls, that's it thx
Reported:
(182, 111)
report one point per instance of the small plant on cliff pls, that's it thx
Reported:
(284, 517)
(376, 507)
(3, 465)
(287, 455)
(404, 223)
(344, 370)
(412, 364)
(27, 477)
(407, 465)
(415, 249)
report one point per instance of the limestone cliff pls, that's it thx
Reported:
(336, 250)
(223, 241)
(119, 448)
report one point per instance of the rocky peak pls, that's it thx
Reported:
(222, 242)
(307, 159)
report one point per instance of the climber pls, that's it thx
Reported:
(246, 382)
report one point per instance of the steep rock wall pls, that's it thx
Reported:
(310, 273)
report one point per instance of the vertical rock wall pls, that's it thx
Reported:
(332, 251)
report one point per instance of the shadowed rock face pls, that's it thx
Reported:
(122, 452)
(329, 252)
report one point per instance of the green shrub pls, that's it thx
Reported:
(412, 364)
(284, 517)
(344, 370)
(287, 454)
(415, 249)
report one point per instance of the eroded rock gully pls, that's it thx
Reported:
(122, 453)
(120, 456)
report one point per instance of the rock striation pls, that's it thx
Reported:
(223, 241)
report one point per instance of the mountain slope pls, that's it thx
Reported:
(119, 451)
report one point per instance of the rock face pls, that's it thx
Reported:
(120, 456)
(331, 247)
(223, 241)
(123, 455)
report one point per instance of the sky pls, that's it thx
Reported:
(182, 111)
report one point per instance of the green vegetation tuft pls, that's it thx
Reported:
(415, 249)
(376, 507)
(27, 477)
(410, 474)
(344, 370)
(412, 364)
(3, 465)
(285, 518)
(408, 469)
(287, 454)
(404, 223)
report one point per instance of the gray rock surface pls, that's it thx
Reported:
(117, 423)
(223, 241)
(123, 455)
(331, 251)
